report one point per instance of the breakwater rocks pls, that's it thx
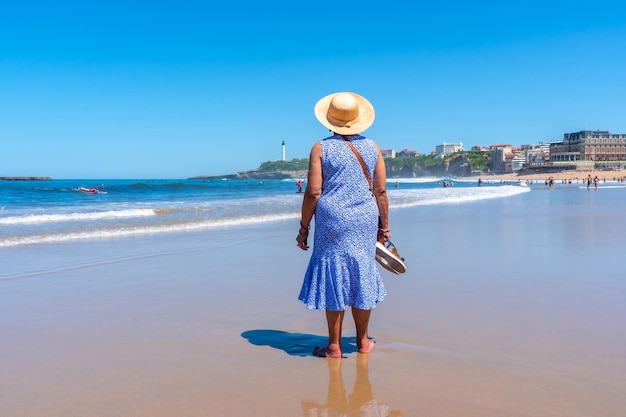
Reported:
(25, 178)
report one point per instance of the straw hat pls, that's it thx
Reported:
(345, 113)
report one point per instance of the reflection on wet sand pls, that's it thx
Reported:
(360, 403)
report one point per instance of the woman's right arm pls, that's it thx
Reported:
(312, 194)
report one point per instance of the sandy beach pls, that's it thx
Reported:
(510, 307)
(557, 176)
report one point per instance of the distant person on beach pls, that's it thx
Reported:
(349, 218)
(299, 185)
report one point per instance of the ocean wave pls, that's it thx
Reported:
(65, 217)
(181, 216)
(417, 180)
(104, 233)
(451, 195)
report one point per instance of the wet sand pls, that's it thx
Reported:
(511, 307)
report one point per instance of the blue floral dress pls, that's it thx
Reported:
(342, 271)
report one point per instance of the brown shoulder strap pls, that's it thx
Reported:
(358, 156)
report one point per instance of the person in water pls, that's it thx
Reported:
(349, 218)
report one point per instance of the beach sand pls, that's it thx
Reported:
(570, 175)
(511, 307)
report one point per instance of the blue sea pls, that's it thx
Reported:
(36, 212)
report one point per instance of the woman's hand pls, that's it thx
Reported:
(383, 235)
(303, 236)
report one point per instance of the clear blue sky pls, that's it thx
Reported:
(174, 89)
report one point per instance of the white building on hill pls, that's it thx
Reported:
(447, 148)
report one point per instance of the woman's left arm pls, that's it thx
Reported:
(380, 192)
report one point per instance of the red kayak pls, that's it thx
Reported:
(93, 190)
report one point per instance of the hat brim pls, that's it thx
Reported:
(366, 115)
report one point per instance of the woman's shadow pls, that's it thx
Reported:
(295, 344)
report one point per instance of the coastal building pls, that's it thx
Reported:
(408, 152)
(388, 152)
(518, 162)
(590, 149)
(501, 158)
(447, 148)
(536, 155)
(284, 154)
(506, 158)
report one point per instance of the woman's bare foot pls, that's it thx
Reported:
(327, 352)
(367, 346)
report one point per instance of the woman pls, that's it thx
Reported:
(349, 217)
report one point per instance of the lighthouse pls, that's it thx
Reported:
(283, 151)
